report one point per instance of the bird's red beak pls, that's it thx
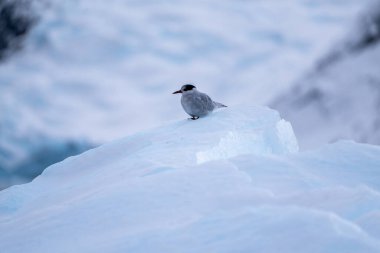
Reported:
(178, 91)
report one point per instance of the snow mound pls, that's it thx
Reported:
(230, 182)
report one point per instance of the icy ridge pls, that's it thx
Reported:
(230, 182)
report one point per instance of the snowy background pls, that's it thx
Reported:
(340, 97)
(77, 74)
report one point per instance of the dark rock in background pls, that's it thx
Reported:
(16, 20)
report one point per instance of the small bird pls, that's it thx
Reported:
(195, 103)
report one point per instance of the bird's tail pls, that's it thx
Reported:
(219, 105)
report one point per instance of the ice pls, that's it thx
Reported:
(276, 139)
(250, 191)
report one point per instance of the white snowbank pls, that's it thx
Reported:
(155, 192)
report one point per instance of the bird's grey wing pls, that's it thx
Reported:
(206, 101)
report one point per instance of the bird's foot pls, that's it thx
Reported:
(194, 118)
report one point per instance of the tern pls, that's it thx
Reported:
(195, 103)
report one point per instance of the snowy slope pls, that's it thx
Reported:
(340, 97)
(92, 71)
(231, 182)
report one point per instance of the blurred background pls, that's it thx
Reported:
(76, 74)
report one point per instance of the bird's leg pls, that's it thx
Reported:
(194, 118)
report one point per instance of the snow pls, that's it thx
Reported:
(93, 71)
(249, 191)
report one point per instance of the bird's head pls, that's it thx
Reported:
(186, 88)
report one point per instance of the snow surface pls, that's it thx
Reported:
(231, 182)
(92, 71)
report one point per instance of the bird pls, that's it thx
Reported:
(195, 103)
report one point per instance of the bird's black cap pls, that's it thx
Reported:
(187, 87)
